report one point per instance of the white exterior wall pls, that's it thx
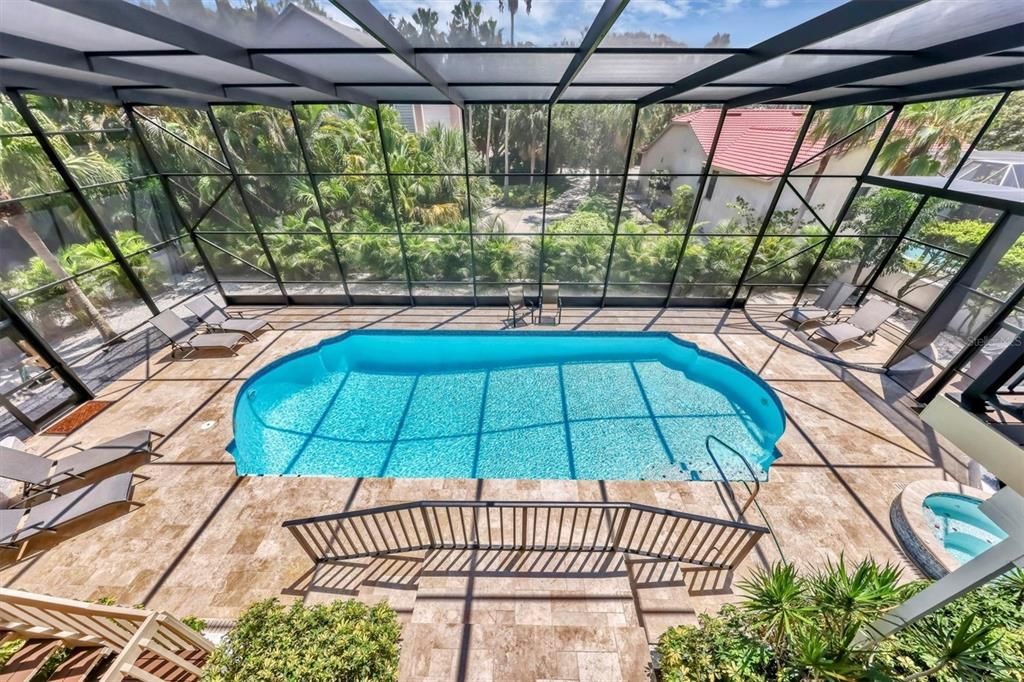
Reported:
(758, 193)
(677, 151)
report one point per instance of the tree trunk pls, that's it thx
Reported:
(533, 151)
(76, 297)
(487, 146)
(508, 117)
(812, 187)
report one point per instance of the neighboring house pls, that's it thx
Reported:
(755, 143)
(418, 117)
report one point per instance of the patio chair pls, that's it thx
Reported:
(41, 473)
(861, 325)
(826, 305)
(518, 306)
(17, 526)
(185, 338)
(550, 298)
(218, 319)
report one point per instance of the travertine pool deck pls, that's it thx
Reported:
(209, 543)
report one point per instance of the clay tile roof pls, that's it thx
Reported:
(753, 141)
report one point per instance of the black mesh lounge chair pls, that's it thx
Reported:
(184, 338)
(518, 306)
(41, 473)
(219, 320)
(825, 306)
(550, 299)
(19, 525)
(861, 325)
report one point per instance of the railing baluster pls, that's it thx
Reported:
(636, 526)
(668, 537)
(426, 525)
(684, 552)
(397, 545)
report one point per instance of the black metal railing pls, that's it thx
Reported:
(528, 526)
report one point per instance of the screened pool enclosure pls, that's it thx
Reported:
(646, 153)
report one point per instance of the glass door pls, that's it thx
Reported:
(32, 390)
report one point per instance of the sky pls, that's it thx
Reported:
(693, 22)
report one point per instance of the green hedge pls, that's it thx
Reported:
(338, 642)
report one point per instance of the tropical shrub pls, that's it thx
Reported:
(105, 285)
(792, 626)
(336, 642)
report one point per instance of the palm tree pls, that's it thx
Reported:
(22, 162)
(929, 137)
(513, 8)
(836, 126)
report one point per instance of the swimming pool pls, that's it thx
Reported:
(534, 405)
(957, 521)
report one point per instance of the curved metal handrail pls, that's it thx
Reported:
(746, 463)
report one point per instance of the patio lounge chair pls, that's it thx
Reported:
(219, 320)
(19, 525)
(184, 338)
(518, 306)
(861, 325)
(826, 305)
(550, 298)
(41, 473)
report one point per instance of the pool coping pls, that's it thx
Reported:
(915, 533)
(739, 366)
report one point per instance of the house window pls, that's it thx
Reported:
(711, 185)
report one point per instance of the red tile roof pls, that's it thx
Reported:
(753, 141)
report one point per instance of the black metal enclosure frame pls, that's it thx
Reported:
(839, 87)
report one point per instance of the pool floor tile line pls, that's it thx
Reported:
(565, 421)
(653, 417)
(320, 421)
(480, 423)
(398, 430)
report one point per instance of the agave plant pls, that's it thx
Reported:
(848, 599)
(965, 653)
(777, 602)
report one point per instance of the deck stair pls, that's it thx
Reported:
(102, 643)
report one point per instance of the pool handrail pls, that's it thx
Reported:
(746, 463)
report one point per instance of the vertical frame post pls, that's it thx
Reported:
(618, 207)
(306, 156)
(544, 205)
(841, 216)
(151, 160)
(76, 191)
(696, 205)
(245, 200)
(467, 136)
(394, 205)
(774, 203)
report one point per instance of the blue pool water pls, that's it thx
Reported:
(505, 405)
(957, 521)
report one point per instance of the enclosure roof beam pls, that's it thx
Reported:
(839, 20)
(150, 24)
(977, 45)
(64, 87)
(964, 81)
(606, 16)
(47, 53)
(376, 25)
